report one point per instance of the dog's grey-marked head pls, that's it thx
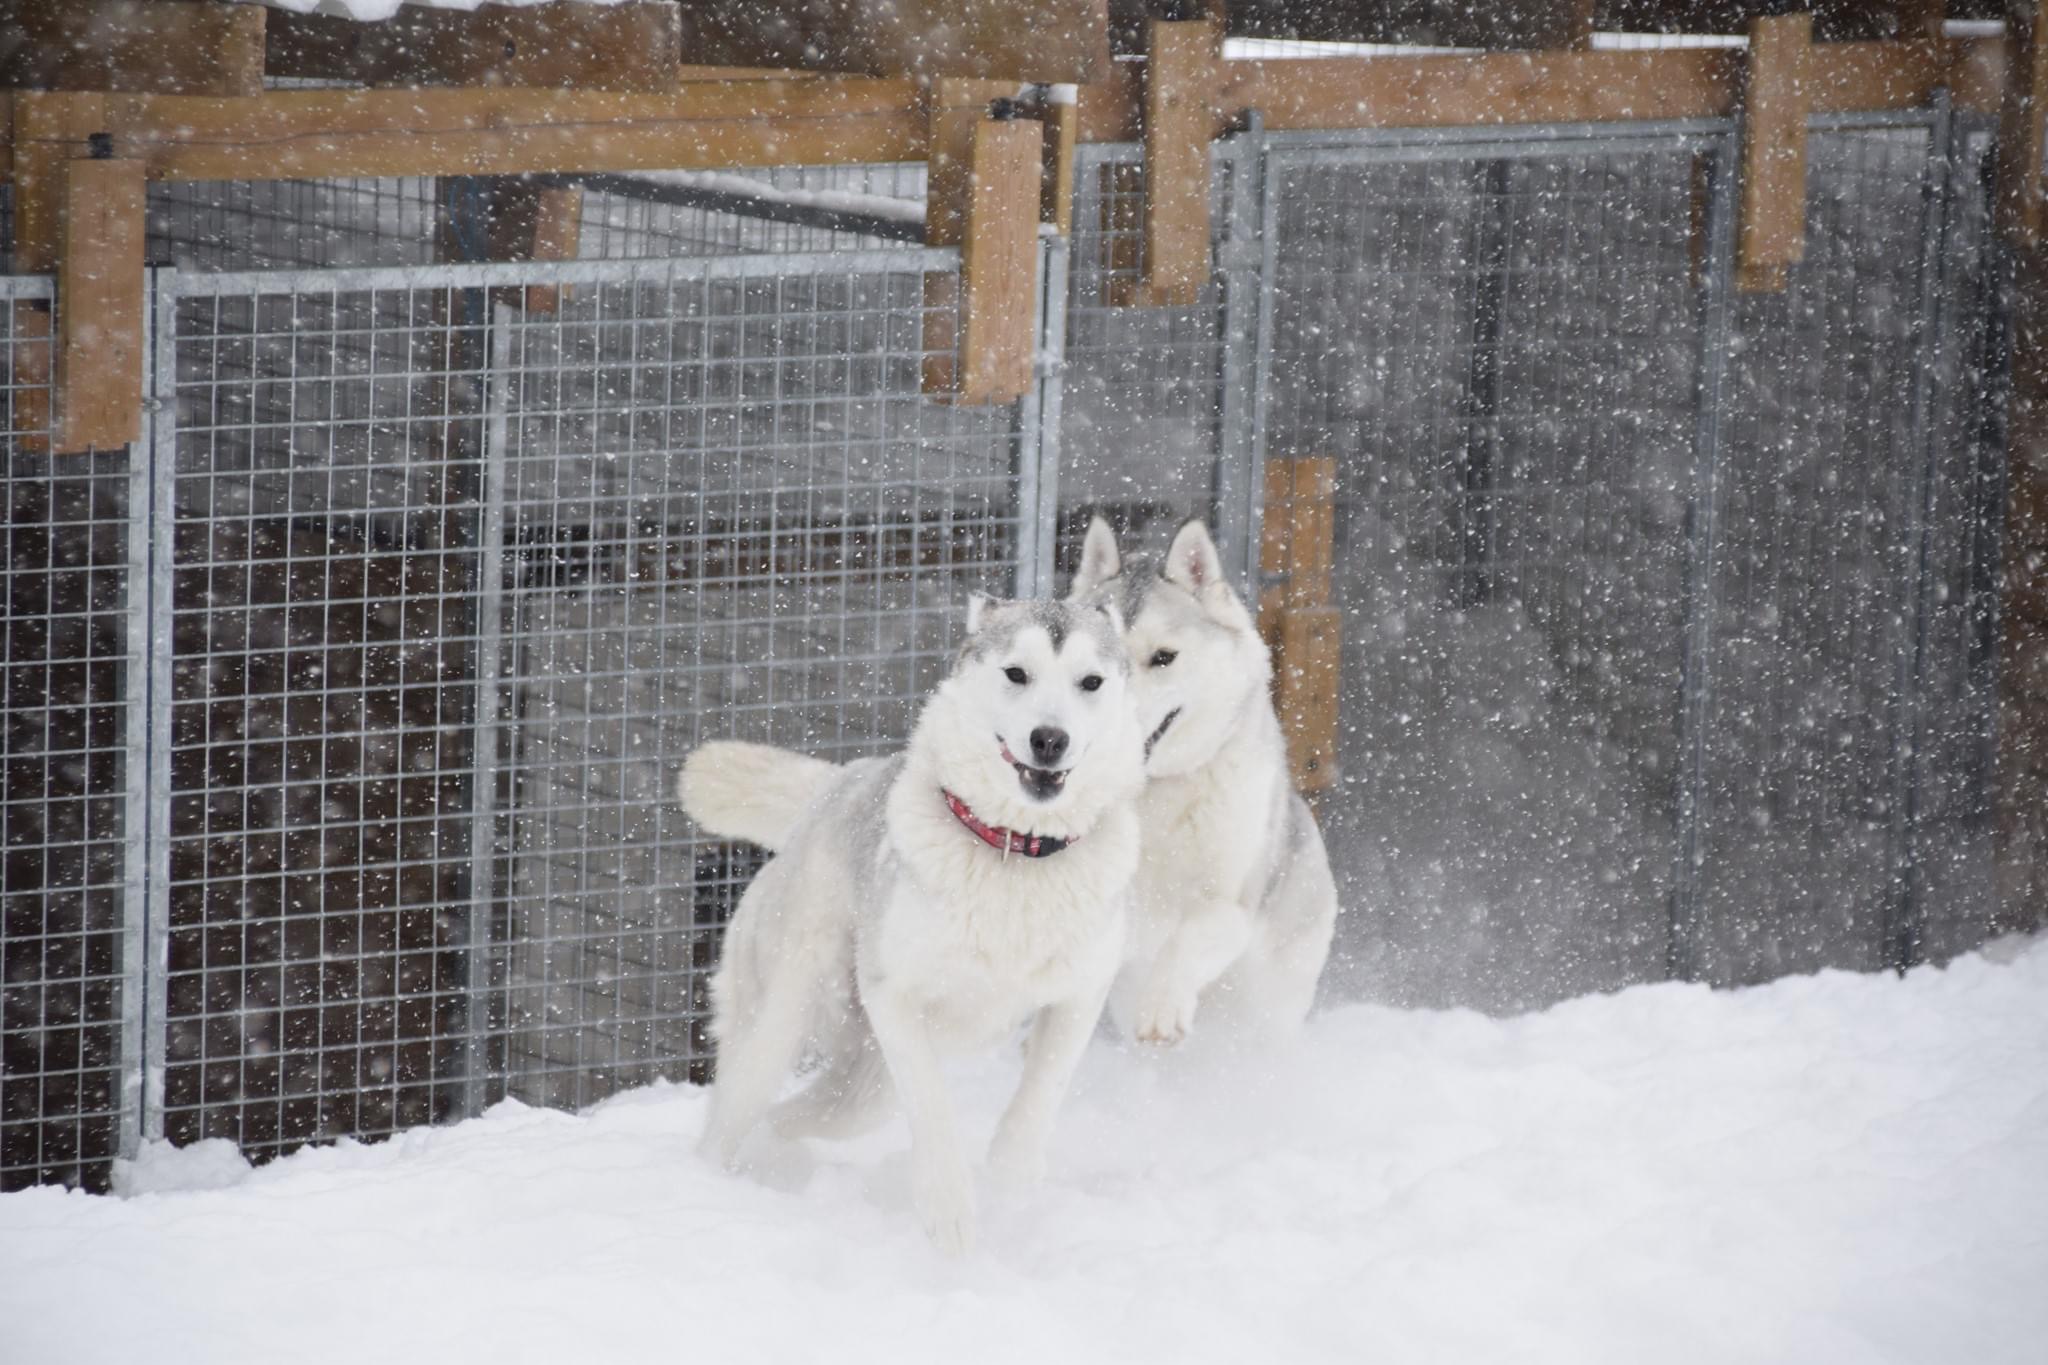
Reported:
(1039, 689)
(1196, 657)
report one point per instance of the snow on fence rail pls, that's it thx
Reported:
(342, 713)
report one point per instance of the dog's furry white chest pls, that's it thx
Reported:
(982, 941)
(1207, 833)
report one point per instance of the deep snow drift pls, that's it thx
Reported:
(1835, 1168)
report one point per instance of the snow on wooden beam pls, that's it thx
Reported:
(1771, 231)
(311, 134)
(174, 47)
(1449, 23)
(1023, 40)
(632, 47)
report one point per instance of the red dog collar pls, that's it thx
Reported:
(1008, 840)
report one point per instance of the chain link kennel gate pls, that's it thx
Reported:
(1592, 676)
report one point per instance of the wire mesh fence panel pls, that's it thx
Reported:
(1824, 484)
(448, 605)
(814, 208)
(1953, 891)
(281, 224)
(394, 221)
(1142, 400)
(71, 596)
(728, 512)
(320, 539)
(1500, 348)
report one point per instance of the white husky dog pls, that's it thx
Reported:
(933, 901)
(1234, 905)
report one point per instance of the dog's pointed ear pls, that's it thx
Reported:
(1192, 562)
(1100, 559)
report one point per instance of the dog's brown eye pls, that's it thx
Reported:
(1162, 658)
(1016, 675)
(1091, 682)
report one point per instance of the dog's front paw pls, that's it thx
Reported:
(1164, 1017)
(945, 1205)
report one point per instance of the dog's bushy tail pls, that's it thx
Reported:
(754, 792)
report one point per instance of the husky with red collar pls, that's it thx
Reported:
(929, 903)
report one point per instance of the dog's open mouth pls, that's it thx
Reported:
(1157, 735)
(1040, 784)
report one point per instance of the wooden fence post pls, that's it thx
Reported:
(100, 286)
(1302, 629)
(1775, 104)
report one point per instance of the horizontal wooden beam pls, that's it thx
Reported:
(1562, 87)
(176, 47)
(305, 134)
(792, 119)
(1833, 20)
(633, 47)
(1023, 40)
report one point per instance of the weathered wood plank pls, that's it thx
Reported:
(1180, 73)
(2023, 126)
(49, 130)
(1312, 530)
(309, 134)
(999, 263)
(99, 305)
(556, 234)
(1310, 677)
(173, 47)
(1302, 630)
(1554, 87)
(1771, 220)
(1062, 118)
(1019, 40)
(635, 46)
(954, 109)
(1833, 20)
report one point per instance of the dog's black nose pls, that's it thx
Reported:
(1047, 745)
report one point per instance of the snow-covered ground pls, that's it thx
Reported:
(1835, 1168)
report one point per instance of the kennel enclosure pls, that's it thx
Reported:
(345, 703)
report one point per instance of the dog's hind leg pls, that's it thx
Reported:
(756, 1050)
(849, 1097)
